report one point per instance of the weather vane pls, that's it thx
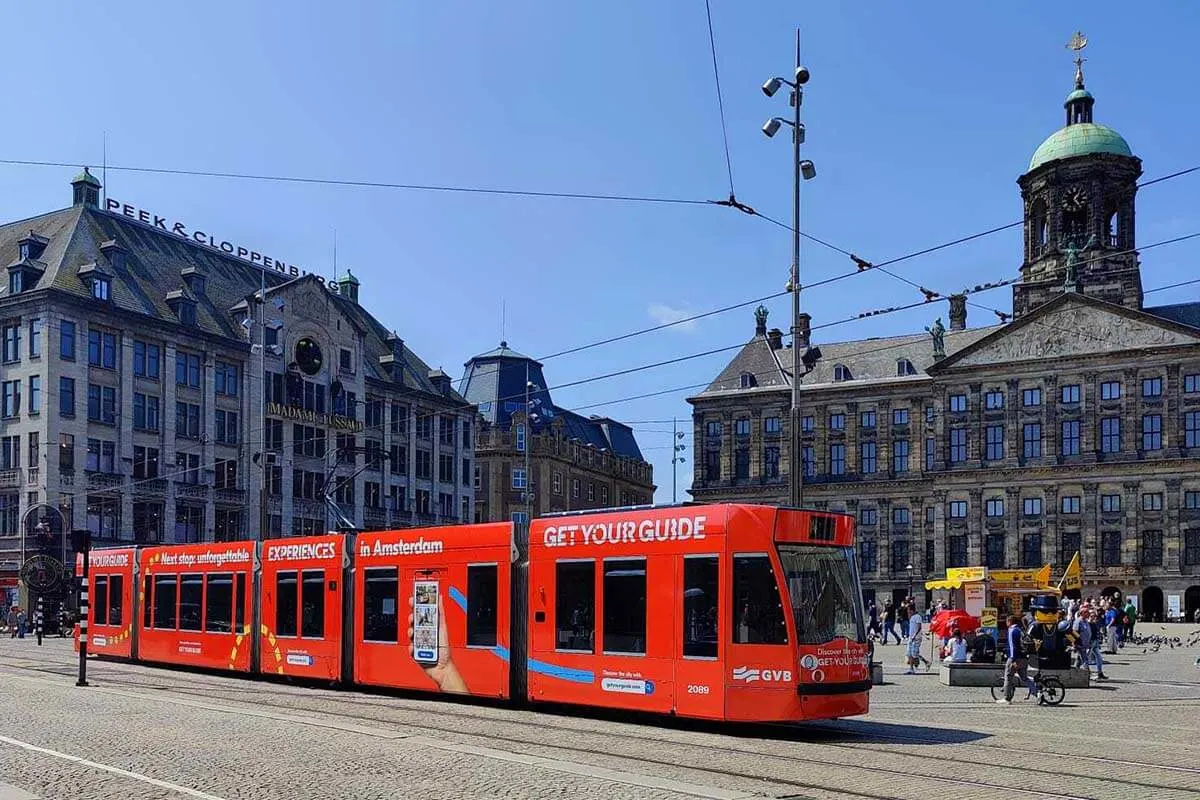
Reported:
(1077, 43)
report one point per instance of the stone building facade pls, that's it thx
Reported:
(151, 396)
(1075, 427)
(534, 458)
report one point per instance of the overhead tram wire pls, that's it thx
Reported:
(712, 42)
(862, 264)
(674, 390)
(374, 184)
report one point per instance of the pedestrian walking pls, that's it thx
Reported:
(1017, 664)
(889, 622)
(873, 620)
(12, 622)
(21, 624)
(915, 628)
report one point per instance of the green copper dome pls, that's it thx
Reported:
(1080, 139)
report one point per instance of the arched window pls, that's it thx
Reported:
(841, 372)
(1112, 227)
(748, 380)
(905, 367)
(1039, 225)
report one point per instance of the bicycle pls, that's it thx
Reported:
(1049, 689)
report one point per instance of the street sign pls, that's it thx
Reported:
(42, 573)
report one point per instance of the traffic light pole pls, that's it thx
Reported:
(82, 541)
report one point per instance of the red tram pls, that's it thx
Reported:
(725, 612)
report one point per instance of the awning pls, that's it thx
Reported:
(943, 584)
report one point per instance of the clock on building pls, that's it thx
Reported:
(308, 356)
(1075, 199)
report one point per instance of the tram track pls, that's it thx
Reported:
(261, 696)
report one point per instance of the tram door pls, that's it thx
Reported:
(699, 611)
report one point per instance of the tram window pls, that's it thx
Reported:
(625, 606)
(285, 604)
(700, 606)
(218, 606)
(164, 601)
(312, 604)
(575, 605)
(147, 602)
(100, 600)
(757, 613)
(191, 595)
(481, 605)
(380, 590)
(116, 598)
(820, 582)
(239, 602)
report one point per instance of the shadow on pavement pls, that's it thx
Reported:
(867, 731)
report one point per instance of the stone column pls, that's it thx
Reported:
(975, 537)
(1172, 436)
(1012, 424)
(975, 434)
(1014, 514)
(1090, 423)
(1050, 431)
(939, 530)
(1050, 533)
(1131, 505)
(1089, 524)
(1172, 534)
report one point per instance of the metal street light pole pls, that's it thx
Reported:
(801, 170)
(676, 449)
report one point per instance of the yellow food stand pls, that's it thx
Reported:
(975, 588)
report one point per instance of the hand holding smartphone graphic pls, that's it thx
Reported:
(430, 640)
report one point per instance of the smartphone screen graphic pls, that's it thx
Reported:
(425, 621)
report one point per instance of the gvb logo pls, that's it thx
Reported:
(746, 674)
(751, 675)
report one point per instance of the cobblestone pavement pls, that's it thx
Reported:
(145, 732)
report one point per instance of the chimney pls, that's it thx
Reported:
(958, 312)
(85, 190)
(775, 338)
(803, 330)
(760, 321)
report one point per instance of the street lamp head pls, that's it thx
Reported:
(801, 75)
(808, 169)
(772, 86)
(799, 132)
(772, 126)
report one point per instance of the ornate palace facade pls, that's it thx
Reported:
(1074, 427)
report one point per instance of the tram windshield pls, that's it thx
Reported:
(821, 583)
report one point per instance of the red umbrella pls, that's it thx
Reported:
(944, 622)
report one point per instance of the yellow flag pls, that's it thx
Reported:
(1073, 576)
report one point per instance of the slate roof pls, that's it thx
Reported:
(495, 382)
(1181, 313)
(868, 360)
(153, 269)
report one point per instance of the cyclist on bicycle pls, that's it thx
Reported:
(1017, 663)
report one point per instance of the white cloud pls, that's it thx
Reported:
(663, 314)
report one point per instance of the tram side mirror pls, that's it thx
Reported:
(539, 616)
(333, 586)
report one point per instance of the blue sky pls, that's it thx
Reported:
(920, 118)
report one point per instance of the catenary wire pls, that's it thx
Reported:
(247, 443)
(374, 184)
(712, 42)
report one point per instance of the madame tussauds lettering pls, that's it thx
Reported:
(671, 529)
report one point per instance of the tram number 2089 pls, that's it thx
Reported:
(696, 689)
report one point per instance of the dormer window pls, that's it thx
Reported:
(187, 313)
(184, 306)
(905, 367)
(23, 251)
(748, 380)
(15, 282)
(101, 288)
(841, 372)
